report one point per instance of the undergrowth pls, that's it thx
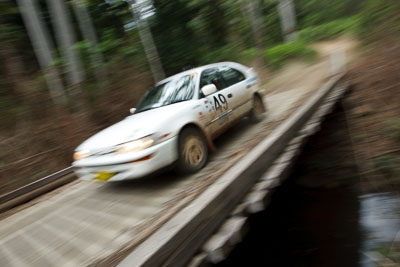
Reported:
(278, 55)
(329, 30)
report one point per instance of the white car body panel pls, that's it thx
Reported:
(166, 154)
(164, 124)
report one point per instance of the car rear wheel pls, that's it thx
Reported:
(193, 151)
(258, 111)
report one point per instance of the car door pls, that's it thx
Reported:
(219, 104)
(239, 95)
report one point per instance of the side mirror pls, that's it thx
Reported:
(132, 110)
(208, 89)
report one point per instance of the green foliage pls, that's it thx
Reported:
(129, 51)
(388, 253)
(83, 49)
(228, 52)
(272, 23)
(213, 13)
(249, 54)
(11, 33)
(329, 30)
(57, 62)
(388, 165)
(380, 19)
(393, 127)
(278, 55)
(238, 24)
(175, 39)
(106, 17)
(110, 42)
(316, 12)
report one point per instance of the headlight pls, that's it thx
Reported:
(136, 145)
(81, 154)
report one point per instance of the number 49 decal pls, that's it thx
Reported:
(220, 100)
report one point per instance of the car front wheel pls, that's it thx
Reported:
(258, 111)
(193, 151)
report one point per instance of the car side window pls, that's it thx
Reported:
(211, 76)
(231, 76)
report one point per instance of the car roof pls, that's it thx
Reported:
(200, 69)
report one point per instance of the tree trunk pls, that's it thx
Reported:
(287, 15)
(43, 48)
(89, 34)
(66, 39)
(257, 24)
(148, 43)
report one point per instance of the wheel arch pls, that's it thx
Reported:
(252, 114)
(196, 126)
(257, 94)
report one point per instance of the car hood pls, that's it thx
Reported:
(135, 126)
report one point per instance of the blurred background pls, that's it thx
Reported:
(72, 67)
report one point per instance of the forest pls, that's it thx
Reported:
(72, 67)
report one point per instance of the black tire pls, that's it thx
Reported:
(193, 151)
(258, 111)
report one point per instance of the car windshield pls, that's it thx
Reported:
(173, 91)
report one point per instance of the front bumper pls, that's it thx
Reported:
(132, 165)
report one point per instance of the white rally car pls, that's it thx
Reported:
(173, 125)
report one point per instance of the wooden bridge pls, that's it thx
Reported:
(165, 220)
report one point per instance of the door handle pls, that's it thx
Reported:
(248, 86)
(229, 95)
